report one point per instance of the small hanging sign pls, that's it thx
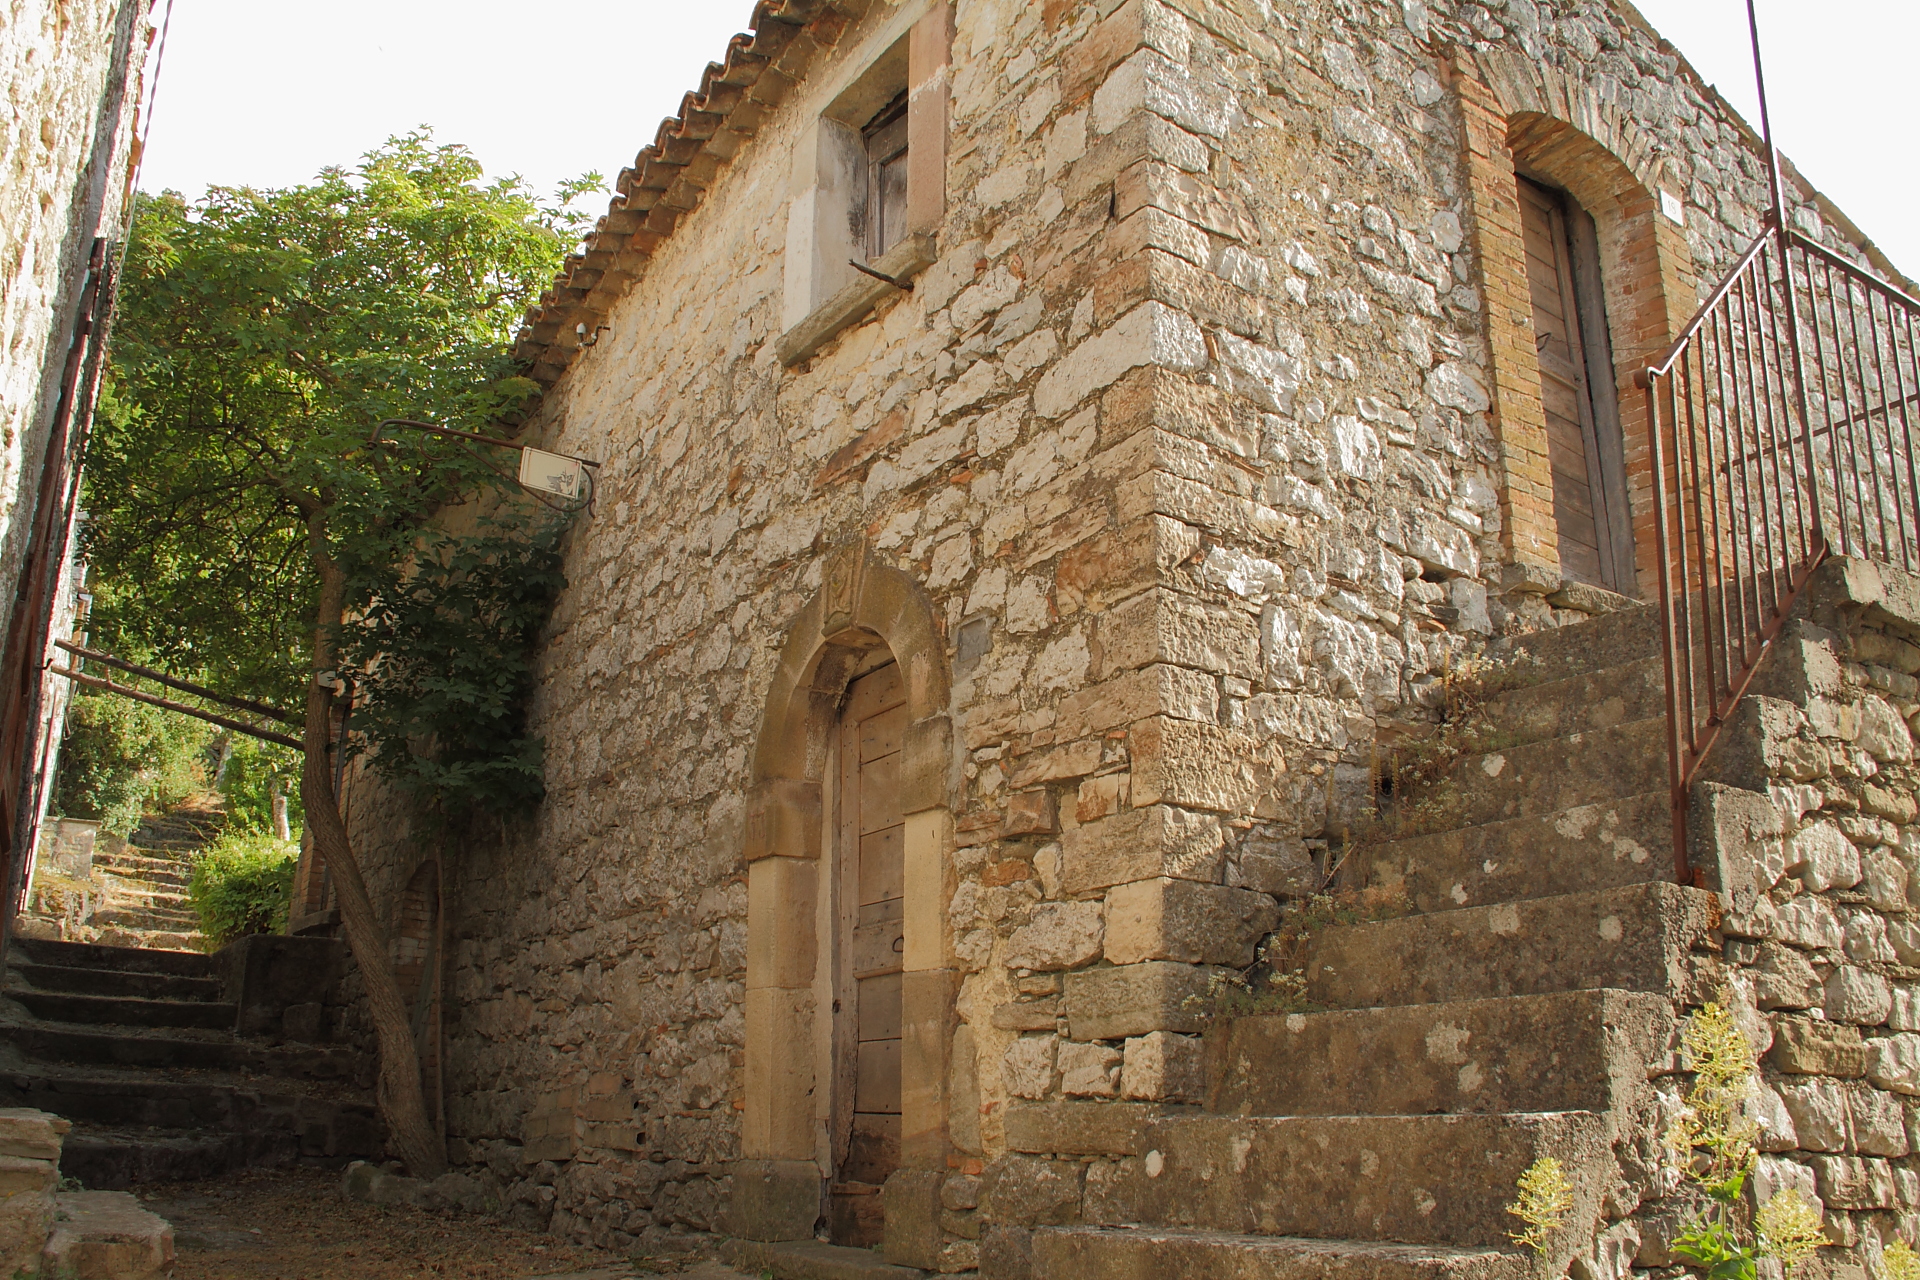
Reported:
(550, 473)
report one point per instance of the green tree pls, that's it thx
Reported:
(260, 528)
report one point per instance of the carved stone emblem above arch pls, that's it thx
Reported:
(864, 612)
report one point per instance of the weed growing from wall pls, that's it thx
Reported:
(1545, 1200)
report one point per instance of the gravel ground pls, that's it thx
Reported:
(295, 1225)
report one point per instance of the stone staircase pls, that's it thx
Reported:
(1517, 1011)
(143, 883)
(137, 1047)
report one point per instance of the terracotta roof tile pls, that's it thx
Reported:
(669, 177)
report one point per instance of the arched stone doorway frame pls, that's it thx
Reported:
(779, 1181)
(1525, 118)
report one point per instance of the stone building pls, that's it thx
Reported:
(68, 149)
(1054, 454)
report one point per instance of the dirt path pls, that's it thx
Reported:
(295, 1225)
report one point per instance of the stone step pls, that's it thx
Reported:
(812, 1260)
(150, 939)
(147, 919)
(116, 1158)
(1605, 845)
(1646, 937)
(124, 1011)
(1416, 1179)
(1147, 1253)
(141, 866)
(1579, 704)
(1609, 640)
(1652, 937)
(1545, 777)
(1568, 1051)
(88, 955)
(116, 982)
(324, 1126)
(106, 1235)
(144, 1047)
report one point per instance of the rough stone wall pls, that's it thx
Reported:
(1823, 939)
(1186, 435)
(65, 151)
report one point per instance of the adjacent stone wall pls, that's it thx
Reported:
(1187, 434)
(65, 150)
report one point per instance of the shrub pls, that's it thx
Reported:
(241, 885)
(122, 758)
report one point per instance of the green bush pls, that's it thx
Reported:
(121, 759)
(242, 885)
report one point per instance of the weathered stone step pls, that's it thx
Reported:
(106, 1234)
(812, 1260)
(89, 955)
(1609, 640)
(1147, 1253)
(117, 982)
(116, 1158)
(125, 1011)
(1640, 938)
(1580, 703)
(1546, 777)
(141, 866)
(1418, 1179)
(326, 1127)
(1568, 1051)
(140, 1047)
(1604, 845)
(148, 919)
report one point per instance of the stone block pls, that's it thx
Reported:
(1137, 694)
(926, 764)
(914, 1236)
(1145, 842)
(782, 941)
(106, 1235)
(268, 974)
(1027, 1066)
(1006, 1253)
(1893, 1062)
(1164, 1067)
(783, 819)
(1058, 935)
(1823, 858)
(1030, 813)
(1854, 1182)
(1203, 766)
(1079, 1128)
(1879, 1123)
(1030, 1191)
(30, 1134)
(1805, 1046)
(775, 1199)
(928, 841)
(779, 1080)
(1135, 999)
(927, 1021)
(1821, 1113)
(1858, 996)
(1163, 626)
(1168, 919)
(1089, 1070)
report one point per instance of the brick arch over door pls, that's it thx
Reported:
(786, 1153)
(1525, 119)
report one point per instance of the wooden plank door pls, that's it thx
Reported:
(1576, 390)
(872, 867)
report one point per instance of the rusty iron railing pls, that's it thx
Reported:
(1782, 426)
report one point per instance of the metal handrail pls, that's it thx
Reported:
(1782, 428)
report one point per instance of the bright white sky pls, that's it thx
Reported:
(263, 93)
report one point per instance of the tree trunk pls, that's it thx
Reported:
(277, 799)
(400, 1097)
